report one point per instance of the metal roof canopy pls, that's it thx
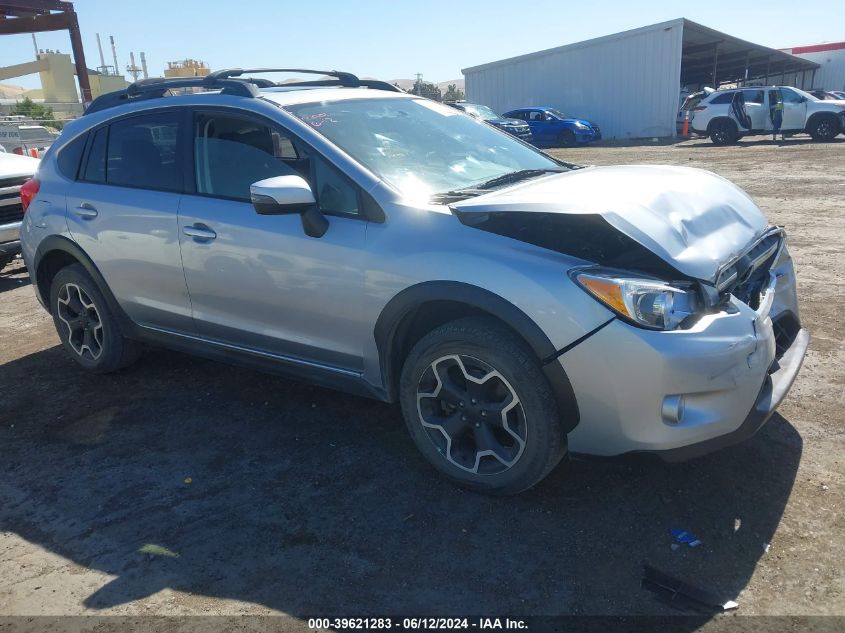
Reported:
(36, 16)
(711, 58)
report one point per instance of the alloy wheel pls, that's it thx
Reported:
(472, 414)
(76, 310)
(824, 129)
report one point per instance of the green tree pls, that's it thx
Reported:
(426, 89)
(453, 93)
(38, 112)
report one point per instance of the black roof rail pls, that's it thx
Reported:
(230, 81)
(345, 79)
(154, 88)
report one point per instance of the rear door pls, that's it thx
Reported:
(755, 108)
(258, 281)
(122, 211)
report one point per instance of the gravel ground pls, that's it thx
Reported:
(182, 486)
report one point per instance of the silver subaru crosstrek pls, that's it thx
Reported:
(351, 235)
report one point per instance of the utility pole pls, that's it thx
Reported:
(132, 69)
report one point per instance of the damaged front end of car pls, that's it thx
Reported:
(707, 338)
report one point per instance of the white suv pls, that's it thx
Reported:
(728, 115)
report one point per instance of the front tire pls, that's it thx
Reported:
(88, 330)
(479, 408)
(567, 138)
(823, 128)
(723, 132)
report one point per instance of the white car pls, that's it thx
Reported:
(728, 115)
(14, 171)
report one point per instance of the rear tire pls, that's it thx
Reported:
(479, 408)
(567, 138)
(88, 330)
(823, 128)
(723, 132)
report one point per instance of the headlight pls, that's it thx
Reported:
(582, 126)
(646, 302)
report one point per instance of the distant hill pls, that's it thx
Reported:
(407, 84)
(8, 91)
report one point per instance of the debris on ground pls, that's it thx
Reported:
(680, 594)
(682, 536)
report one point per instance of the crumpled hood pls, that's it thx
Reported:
(691, 218)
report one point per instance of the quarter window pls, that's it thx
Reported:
(724, 98)
(142, 152)
(95, 168)
(334, 193)
(69, 157)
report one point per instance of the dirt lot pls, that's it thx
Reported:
(182, 486)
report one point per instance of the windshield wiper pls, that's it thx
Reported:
(516, 176)
(505, 179)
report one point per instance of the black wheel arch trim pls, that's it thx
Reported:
(55, 243)
(412, 298)
(721, 119)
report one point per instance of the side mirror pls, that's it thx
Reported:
(283, 195)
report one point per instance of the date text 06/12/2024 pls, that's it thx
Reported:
(416, 624)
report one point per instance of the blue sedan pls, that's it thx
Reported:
(550, 127)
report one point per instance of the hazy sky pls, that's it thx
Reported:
(393, 40)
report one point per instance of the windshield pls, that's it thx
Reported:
(480, 111)
(419, 147)
(559, 114)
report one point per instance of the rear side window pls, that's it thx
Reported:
(142, 152)
(725, 97)
(753, 96)
(69, 157)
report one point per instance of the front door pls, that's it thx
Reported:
(794, 110)
(542, 128)
(258, 281)
(122, 211)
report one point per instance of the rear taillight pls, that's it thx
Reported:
(28, 191)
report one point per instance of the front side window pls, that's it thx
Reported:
(231, 153)
(419, 147)
(790, 96)
(142, 152)
(537, 116)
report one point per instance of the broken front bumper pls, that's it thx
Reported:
(687, 392)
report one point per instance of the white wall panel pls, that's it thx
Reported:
(627, 83)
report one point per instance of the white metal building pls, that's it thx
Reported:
(629, 83)
(831, 60)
